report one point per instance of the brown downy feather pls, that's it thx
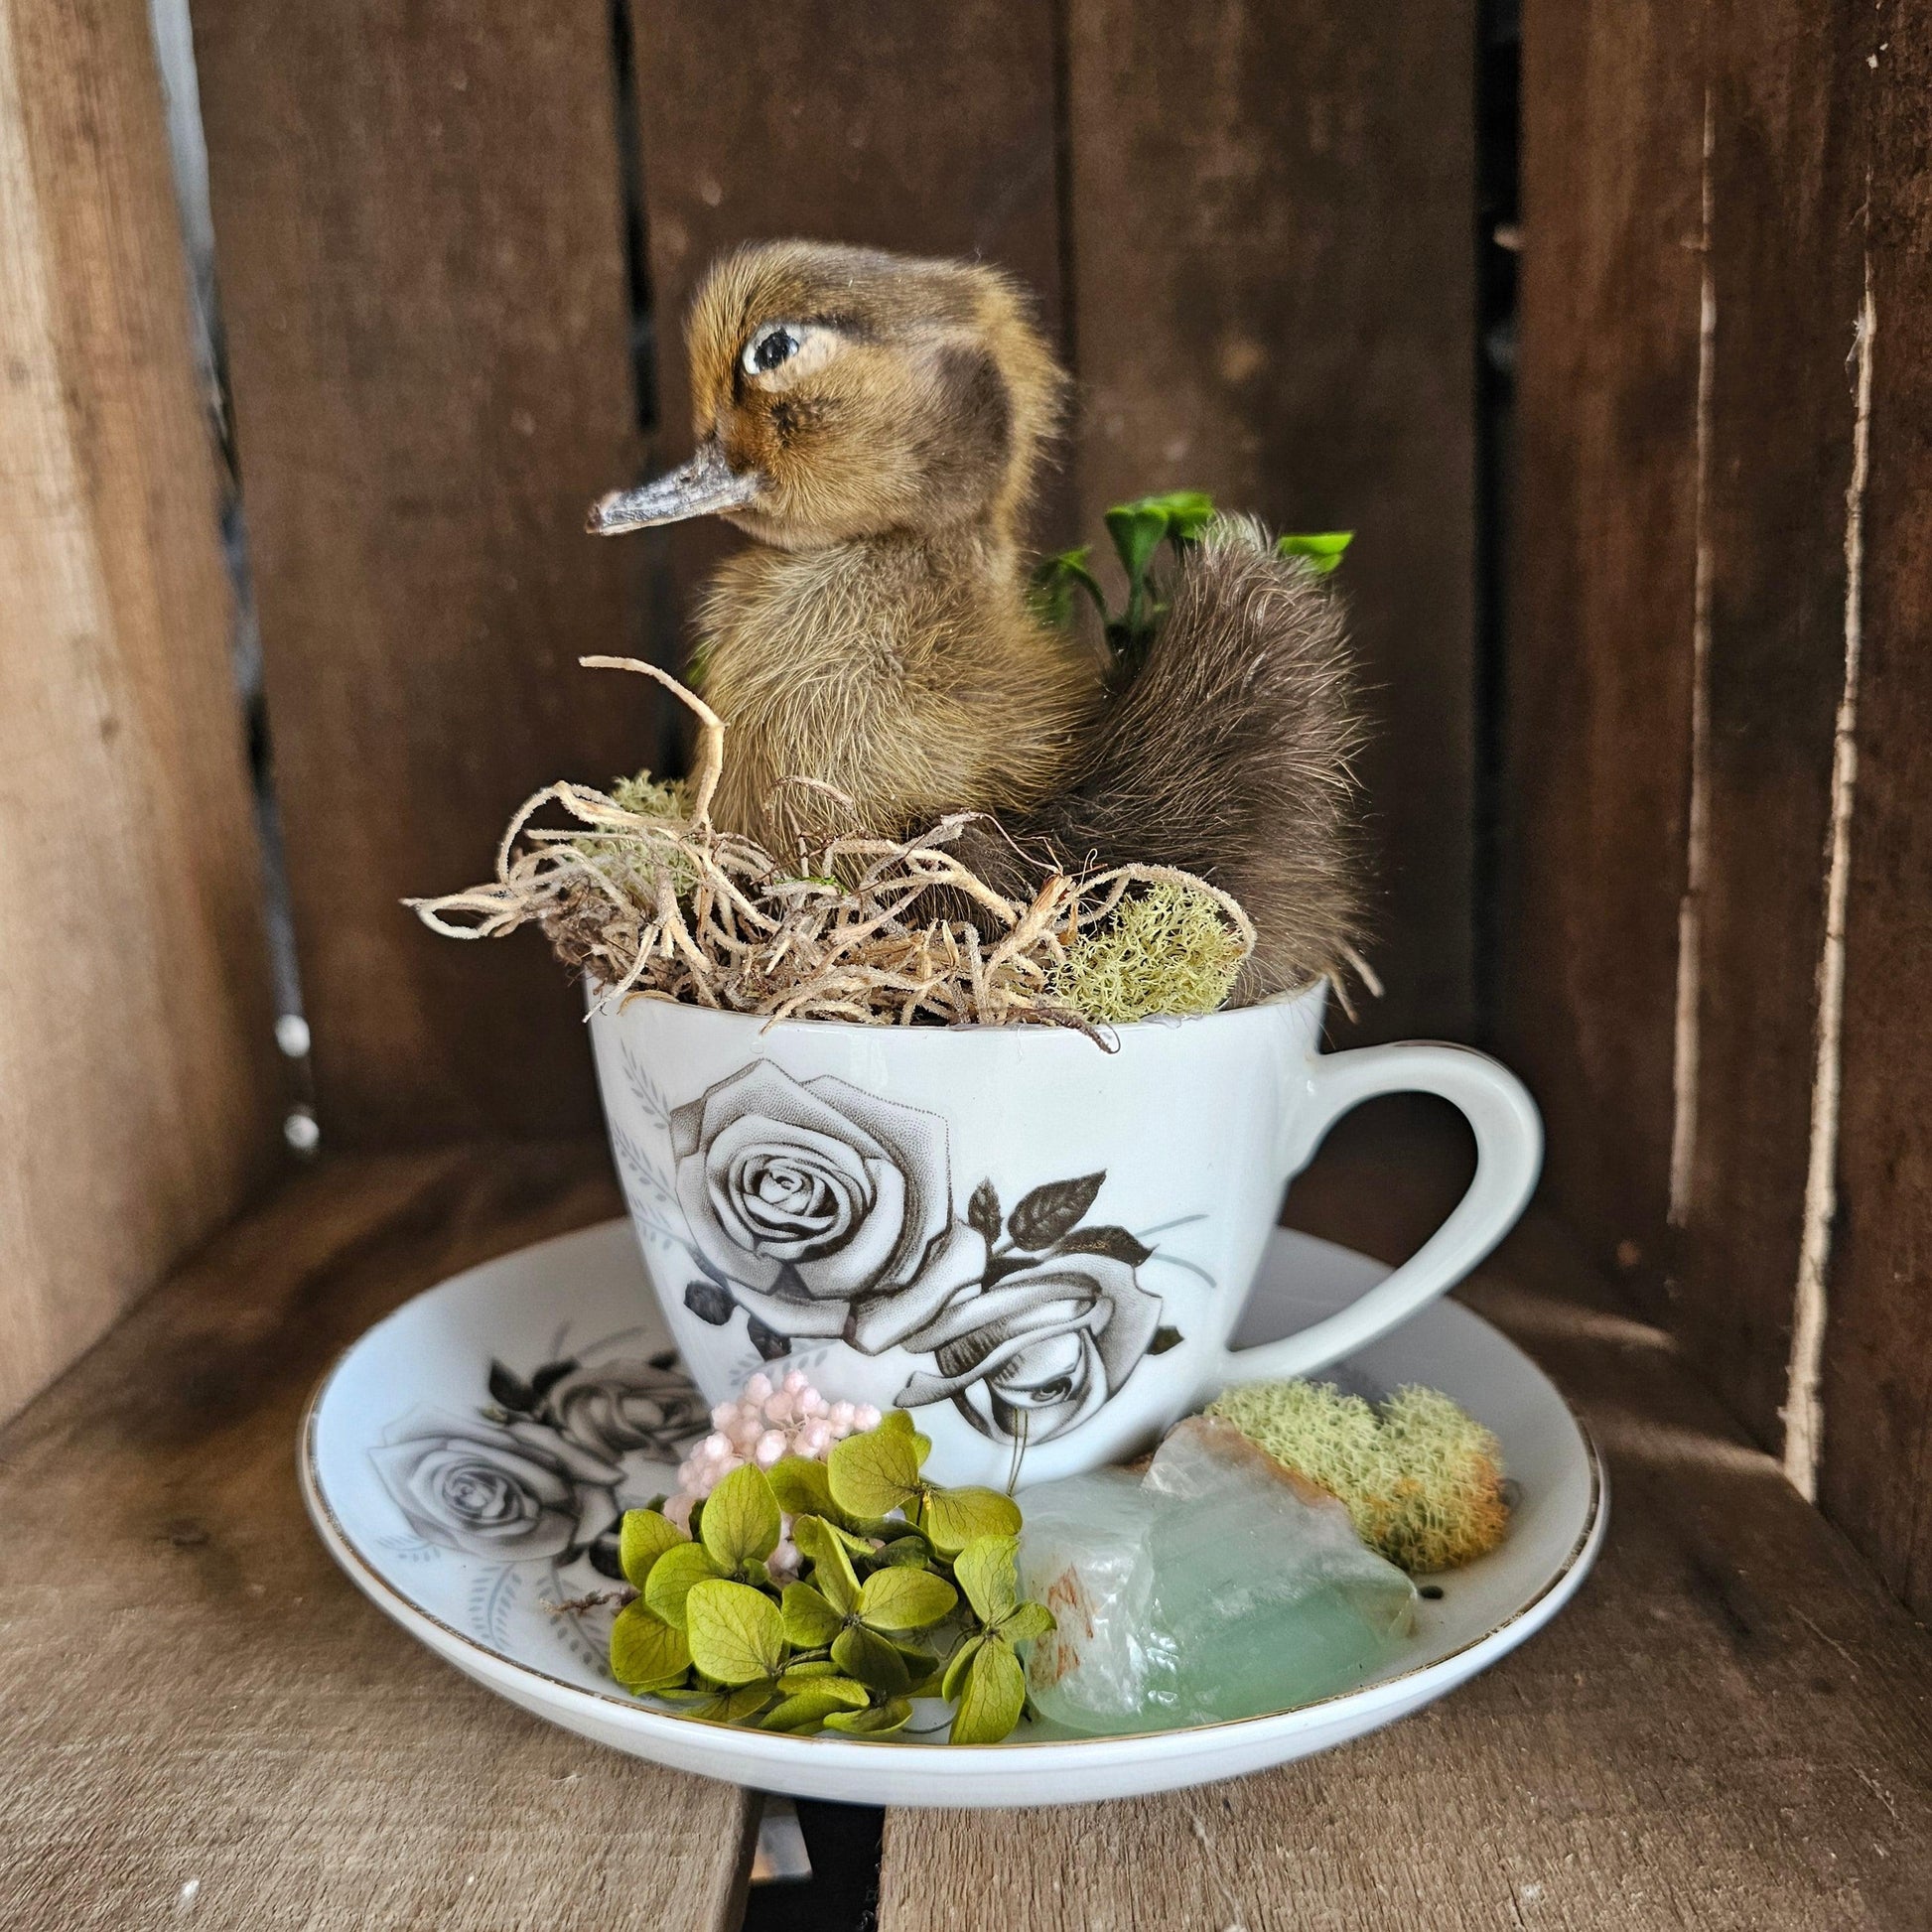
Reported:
(1229, 756)
(880, 640)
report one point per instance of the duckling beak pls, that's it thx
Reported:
(701, 488)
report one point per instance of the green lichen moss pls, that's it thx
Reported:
(1421, 1477)
(1166, 951)
(627, 860)
(650, 797)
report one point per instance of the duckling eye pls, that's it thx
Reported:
(775, 343)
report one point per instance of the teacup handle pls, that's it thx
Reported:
(1509, 1155)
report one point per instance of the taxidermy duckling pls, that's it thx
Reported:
(876, 422)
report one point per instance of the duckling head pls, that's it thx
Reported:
(842, 393)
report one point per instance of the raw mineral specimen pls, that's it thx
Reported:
(1218, 1586)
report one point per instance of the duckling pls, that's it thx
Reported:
(876, 422)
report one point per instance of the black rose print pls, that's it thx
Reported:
(826, 1212)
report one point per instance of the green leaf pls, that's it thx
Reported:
(866, 1655)
(646, 1654)
(958, 1517)
(832, 1571)
(735, 1633)
(913, 1551)
(990, 1699)
(1322, 550)
(804, 1670)
(730, 1706)
(921, 1661)
(810, 1621)
(1050, 1211)
(673, 1577)
(812, 1706)
(877, 1472)
(1188, 511)
(957, 1665)
(802, 1486)
(879, 1721)
(904, 1599)
(645, 1537)
(1027, 1622)
(860, 1545)
(1136, 530)
(741, 1518)
(985, 1570)
(1054, 580)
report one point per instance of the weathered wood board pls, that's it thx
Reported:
(1877, 1466)
(203, 1717)
(1596, 727)
(137, 1085)
(1717, 800)
(1273, 284)
(419, 240)
(1787, 180)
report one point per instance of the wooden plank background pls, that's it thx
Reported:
(419, 241)
(1597, 719)
(1786, 181)
(137, 1082)
(1722, 537)
(419, 224)
(1877, 1468)
(1274, 299)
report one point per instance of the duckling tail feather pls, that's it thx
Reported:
(1229, 756)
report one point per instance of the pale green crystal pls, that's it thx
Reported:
(1218, 1586)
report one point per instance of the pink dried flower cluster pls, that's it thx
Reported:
(763, 1424)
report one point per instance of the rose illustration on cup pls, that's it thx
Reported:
(518, 1493)
(822, 1209)
(613, 1408)
(1037, 1355)
(826, 1212)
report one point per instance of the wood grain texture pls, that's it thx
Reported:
(929, 130)
(1729, 1727)
(1787, 91)
(1596, 725)
(1877, 1474)
(197, 1697)
(419, 237)
(136, 1079)
(1272, 275)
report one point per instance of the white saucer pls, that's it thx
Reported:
(398, 1444)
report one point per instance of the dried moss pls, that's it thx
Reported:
(646, 896)
(1422, 1480)
(652, 797)
(621, 856)
(1168, 950)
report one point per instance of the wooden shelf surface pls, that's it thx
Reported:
(1731, 1727)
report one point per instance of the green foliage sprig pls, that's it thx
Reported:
(909, 1589)
(1138, 530)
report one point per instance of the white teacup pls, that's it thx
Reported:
(1033, 1245)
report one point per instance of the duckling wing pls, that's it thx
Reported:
(1229, 756)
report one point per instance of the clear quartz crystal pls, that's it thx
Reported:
(1218, 1586)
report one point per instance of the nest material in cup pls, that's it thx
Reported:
(645, 895)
